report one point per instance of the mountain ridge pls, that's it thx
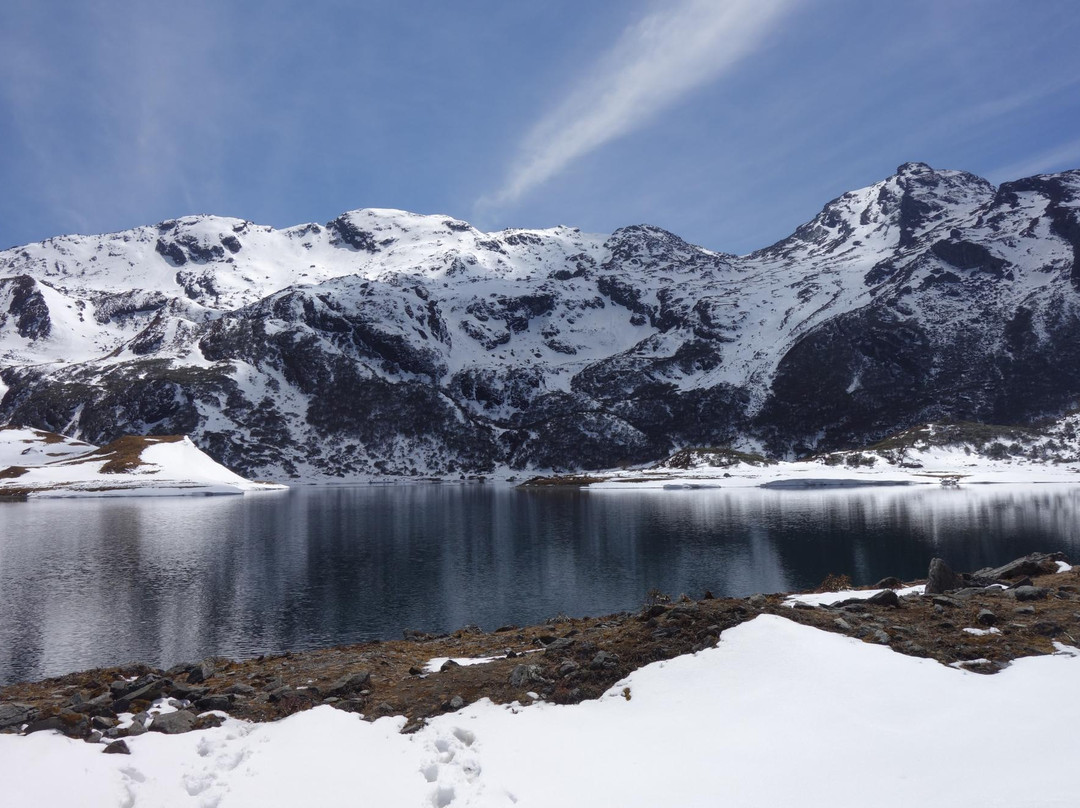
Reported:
(386, 342)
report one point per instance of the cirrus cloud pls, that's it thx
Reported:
(655, 62)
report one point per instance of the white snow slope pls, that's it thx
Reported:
(44, 465)
(778, 714)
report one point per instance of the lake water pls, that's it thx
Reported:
(90, 582)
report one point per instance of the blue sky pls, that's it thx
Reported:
(728, 122)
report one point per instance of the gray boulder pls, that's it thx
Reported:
(174, 723)
(15, 715)
(1032, 564)
(941, 578)
(523, 675)
(351, 683)
(1029, 592)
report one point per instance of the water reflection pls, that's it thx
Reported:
(86, 583)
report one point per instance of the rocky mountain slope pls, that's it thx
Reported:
(392, 343)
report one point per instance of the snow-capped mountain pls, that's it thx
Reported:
(395, 343)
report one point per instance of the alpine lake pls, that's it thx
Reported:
(93, 582)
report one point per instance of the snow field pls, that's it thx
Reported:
(777, 714)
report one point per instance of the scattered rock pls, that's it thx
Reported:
(350, 684)
(103, 722)
(985, 617)
(801, 605)
(523, 675)
(1033, 564)
(889, 583)
(1046, 628)
(944, 601)
(15, 715)
(457, 703)
(557, 646)
(604, 659)
(117, 748)
(1029, 593)
(567, 667)
(216, 702)
(201, 672)
(886, 597)
(174, 723)
(842, 624)
(941, 579)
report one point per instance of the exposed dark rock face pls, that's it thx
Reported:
(390, 343)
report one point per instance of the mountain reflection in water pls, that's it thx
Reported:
(85, 583)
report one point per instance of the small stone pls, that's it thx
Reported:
(886, 597)
(240, 689)
(93, 737)
(555, 647)
(448, 665)
(103, 722)
(415, 671)
(985, 617)
(349, 684)
(942, 600)
(889, 583)
(1029, 593)
(457, 703)
(522, 675)
(567, 667)
(174, 723)
(201, 672)
(842, 624)
(879, 636)
(216, 702)
(1046, 628)
(801, 605)
(136, 728)
(604, 659)
(117, 748)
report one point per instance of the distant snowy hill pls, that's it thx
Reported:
(387, 342)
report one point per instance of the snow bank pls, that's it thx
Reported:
(777, 714)
(54, 466)
(829, 598)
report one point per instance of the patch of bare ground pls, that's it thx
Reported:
(565, 660)
(125, 454)
(561, 479)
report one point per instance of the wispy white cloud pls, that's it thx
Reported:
(654, 63)
(1061, 157)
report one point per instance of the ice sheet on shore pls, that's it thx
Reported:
(777, 714)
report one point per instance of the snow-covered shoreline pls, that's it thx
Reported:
(775, 714)
(43, 465)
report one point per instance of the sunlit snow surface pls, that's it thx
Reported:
(54, 466)
(778, 714)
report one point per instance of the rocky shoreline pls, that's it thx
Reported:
(978, 622)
